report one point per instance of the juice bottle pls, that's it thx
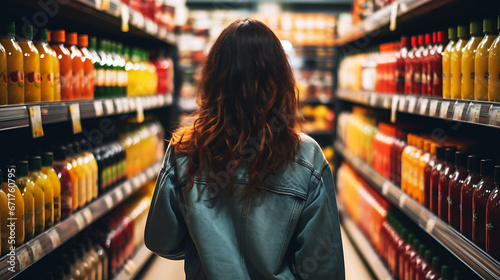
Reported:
(493, 219)
(27, 188)
(468, 59)
(481, 61)
(65, 64)
(424, 266)
(405, 172)
(452, 37)
(425, 58)
(456, 62)
(444, 182)
(468, 188)
(479, 199)
(15, 67)
(93, 258)
(409, 256)
(46, 67)
(3, 77)
(101, 67)
(422, 163)
(493, 69)
(436, 170)
(427, 174)
(115, 71)
(62, 168)
(409, 66)
(81, 174)
(76, 65)
(402, 253)
(74, 174)
(14, 196)
(88, 67)
(77, 268)
(92, 165)
(454, 189)
(417, 66)
(435, 271)
(428, 65)
(48, 169)
(41, 182)
(110, 70)
(31, 61)
(103, 257)
(55, 70)
(4, 215)
(417, 261)
(435, 66)
(88, 269)
(95, 60)
(122, 77)
(415, 169)
(83, 162)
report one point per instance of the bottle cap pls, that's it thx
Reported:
(486, 168)
(436, 263)
(445, 272)
(404, 233)
(44, 35)
(463, 31)
(452, 33)
(58, 36)
(460, 159)
(488, 26)
(48, 159)
(475, 28)
(22, 168)
(428, 256)
(497, 175)
(35, 163)
(72, 39)
(440, 36)
(427, 146)
(7, 170)
(415, 244)
(428, 38)
(421, 250)
(405, 41)
(420, 40)
(409, 240)
(413, 41)
(83, 40)
(93, 43)
(473, 163)
(440, 152)
(60, 154)
(450, 155)
(434, 37)
(29, 32)
(11, 29)
(433, 148)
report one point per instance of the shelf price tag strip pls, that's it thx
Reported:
(98, 108)
(24, 259)
(109, 201)
(36, 249)
(458, 111)
(125, 15)
(79, 221)
(110, 109)
(54, 238)
(35, 114)
(474, 113)
(394, 108)
(443, 111)
(423, 106)
(433, 105)
(74, 111)
(394, 16)
(494, 115)
(140, 110)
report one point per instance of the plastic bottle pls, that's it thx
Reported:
(409, 256)
(83, 162)
(85, 146)
(424, 61)
(31, 62)
(466, 193)
(493, 69)
(417, 66)
(27, 188)
(456, 62)
(81, 174)
(110, 80)
(493, 219)
(455, 186)
(452, 37)
(103, 257)
(424, 266)
(101, 71)
(402, 253)
(48, 169)
(93, 258)
(88, 67)
(96, 60)
(417, 261)
(55, 69)
(62, 168)
(468, 59)
(4, 93)
(427, 173)
(435, 66)
(444, 182)
(65, 64)
(77, 268)
(123, 77)
(445, 273)
(14, 196)
(15, 66)
(435, 272)
(41, 182)
(481, 61)
(434, 187)
(76, 64)
(479, 199)
(4, 215)
(46, 67)
(88, 268)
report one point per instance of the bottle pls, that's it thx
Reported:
(3, 77)
(456, 62)
(46, 67)
(405, 164)
(44, 207)
(4, 215)
(435, 66)
(481, 61)
(15, 66)
(415, 192)
(468, 57)
(122, 77)
(434, 187)
(454, 189)
(417, 261)
(81, 174)
(48, 169)
(427, 174)
(452, 37)
(62, 168)
(88, 67)
(493, 218)
(95, 60)
(14, 196)
(93, 258)
(402, 253)
(92, 165)
(31, 62)
(445, 273)
(27, 188)
(76, 176)
(468, 188)
(55, 70)
(110, 70)
(444, 182)
(479, 199)
(417, 66)
(424, 266)
(424, 61)
(434, 272)
(83, 162)
(77, 268)
(101, 66)
(409, 256)
(65, 64)
(493, 69)
(76, 64)
(103, 257)
(409, 66)
(88, 268)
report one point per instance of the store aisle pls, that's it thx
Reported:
(161, 268)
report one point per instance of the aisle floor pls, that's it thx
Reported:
(161, 268)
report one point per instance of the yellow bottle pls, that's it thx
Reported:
(44, 196)
(468, 74)
(4, 215)
(55, 70)
(92, 166)
(15, 70)
(27, 188)
(3, 76)
(32, 83)
(81, 174)
(48, 169)
(452, 36)
(83, 162)
(15, 203)
(494, 69)
(456, 62)
(481, 61)
(46, 68)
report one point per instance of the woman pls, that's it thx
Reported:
(241, 194)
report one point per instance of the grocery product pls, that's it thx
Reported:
(481, 61)
(68, 184)
(27, 188)
(43, 200)
(492, 238)
(31, 62)
(454, 189)
(3, 76)
(65, 64)
(46, 67)
(468, 73)
(14, 197)
(435, 176)
(88, 67)
(48, 169)
(15, 66)
(76, 65)
(479, 200)
(55, 69)
(494, 69)
(3, 215)
(466, 193)
(452, 36)
(444, 182)
(456, 62)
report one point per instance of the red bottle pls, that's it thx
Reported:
(436, 170)
(409, 256)
(425, 58)
(417, 66)
(427, 176)
(396, 151)
(435, 271)
(416, 262)
(468, 188)
(436, 68)
(402, 255)
(424, 266)
(444, 182)
(454, 189)
(409, 66)
(479, 199)
(493, 219)
(400, 245)
(61, 168)
(400, 64)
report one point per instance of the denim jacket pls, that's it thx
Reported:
(288, 230)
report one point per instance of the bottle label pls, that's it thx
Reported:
(100, 77)
(17, 78)
(50, 79)
(491, 226)
(66, 80)
(436, 79)
(417, 78)
(33, 78)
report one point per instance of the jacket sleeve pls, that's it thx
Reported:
(166, 229)
(320, 254)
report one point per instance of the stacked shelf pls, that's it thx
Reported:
(133, 265)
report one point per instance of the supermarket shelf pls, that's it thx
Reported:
(317, 101)
(317, 133)
(188, 105)
(469, 111)
(364, 247)
(134, 265)
(17, 116)
(471, 255)
(52, 238)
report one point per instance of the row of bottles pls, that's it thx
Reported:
(68, 66)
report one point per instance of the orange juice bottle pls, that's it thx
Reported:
(41, 183)
(27, 188)
(65, 64)
(55, 70)
(77, 64)
(4, 215)
(80, 194)
(32, 82)
(452, 36)
(15, 67)
(468, 58)
(494, 69)
(83, 163)
(424, 159)
(14, 196)
(88, 67)
(3, 76)
(48, 169)
(92, 166)
(415, 168)
(456, 62)
(481, 61)
(405, 164)
(46, 67)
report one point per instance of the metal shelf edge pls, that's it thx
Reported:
(133, 265)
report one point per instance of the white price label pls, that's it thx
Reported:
(412, 103)
(125, 15)
(119, 106)
(458, 111)
(402, 200)
(24, 259)
(119, 195)
(494, 115)
(430, 225)
(74, 111)
(79, 221)
(87, 214)
(131, 104)
(143, 178)
(126, 105)
(443, 111)
(394, 108)
(474, 113)
(150, 173)
(36, 249)
(372, 98)
(423, 106)
(386, 187)
(127, 188)
(98, 108)
(161, 100)
(394, 16)
(35, 114)
(54, 238)
(433, 108)
(110, 108)
(109, 201)
(140, 110)
(402, 103)
(136, 181)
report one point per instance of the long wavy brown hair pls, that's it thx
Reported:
(248, 111)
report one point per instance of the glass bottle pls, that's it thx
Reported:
(479, 199)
